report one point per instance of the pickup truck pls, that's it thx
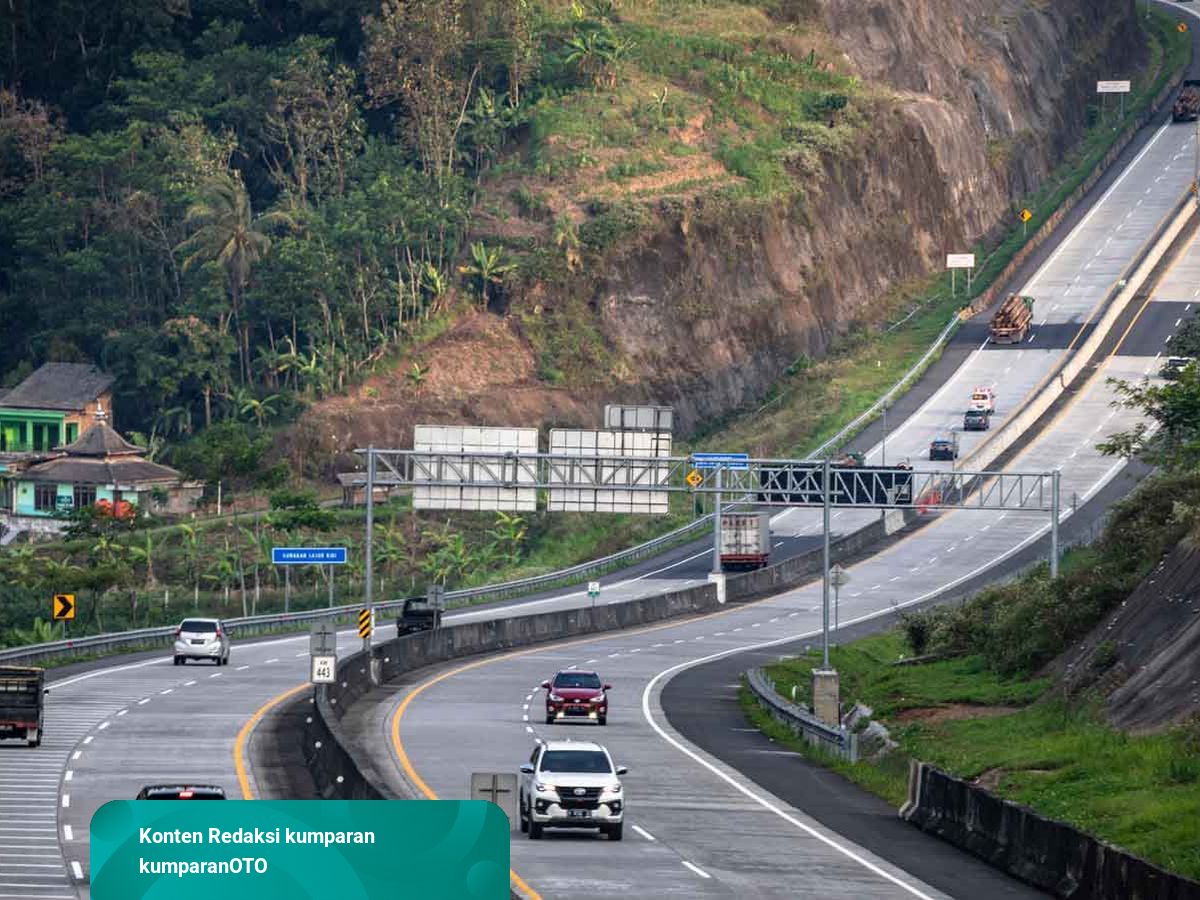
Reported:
(22, 691)
(418, 614)
(983, 398)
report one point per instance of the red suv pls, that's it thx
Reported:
(576, 695)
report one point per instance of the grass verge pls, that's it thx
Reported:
(1023, 740)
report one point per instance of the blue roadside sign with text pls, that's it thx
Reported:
(308, 556)
(734, 461)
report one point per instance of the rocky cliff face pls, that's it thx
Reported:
(972, 103)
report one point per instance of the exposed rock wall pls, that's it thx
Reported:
(975, 100)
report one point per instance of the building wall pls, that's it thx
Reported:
(17, 429)
(86, 417)
(24, 499)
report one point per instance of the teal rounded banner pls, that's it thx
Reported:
(298, 849)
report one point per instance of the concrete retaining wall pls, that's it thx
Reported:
(805, 566)
(1049, 854)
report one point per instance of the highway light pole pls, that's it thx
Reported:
(369, 555)
(1054, 507)
(825, 566)
(716, 560)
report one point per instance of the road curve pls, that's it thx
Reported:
(121, 724)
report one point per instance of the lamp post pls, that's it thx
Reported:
(837, 577)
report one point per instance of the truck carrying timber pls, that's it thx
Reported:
(22, 691)
(1187, 105)
(745, 540)
(1012, 320)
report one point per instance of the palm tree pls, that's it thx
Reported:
(260, 409)
(228, 232)
(193, 554)
(487, 267)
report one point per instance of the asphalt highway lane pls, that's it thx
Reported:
(122, 723)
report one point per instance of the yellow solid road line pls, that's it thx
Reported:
(239, 746)
(398, 743)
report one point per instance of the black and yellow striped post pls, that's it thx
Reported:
(366, 623)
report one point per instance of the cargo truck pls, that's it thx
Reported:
(745, 540)
(1187, 104)
(21, 696)
(1012, 320)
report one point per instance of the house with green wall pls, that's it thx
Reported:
(53, 407)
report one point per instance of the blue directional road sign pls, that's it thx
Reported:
(308, 556)
(733, 461)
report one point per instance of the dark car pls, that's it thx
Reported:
(976, 420)
(1173, 366)
(181, 792)
(943, 448)
(576, 695)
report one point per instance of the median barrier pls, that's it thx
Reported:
(1049, 854)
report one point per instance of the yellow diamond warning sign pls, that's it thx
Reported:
(1025, 215)
(694, 478)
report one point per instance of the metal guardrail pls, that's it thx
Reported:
(840, 742)
(906, 379)
(273, 622)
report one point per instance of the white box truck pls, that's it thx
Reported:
(745, 540)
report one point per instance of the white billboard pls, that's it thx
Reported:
(639, 418)
(447, 440)
(960, 260)
(639, 478)
(1112, 87)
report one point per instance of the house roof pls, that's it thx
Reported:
(100, 456)
(100, 440)
(64, 386)
(87, 470)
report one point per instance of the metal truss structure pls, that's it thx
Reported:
(763, 482)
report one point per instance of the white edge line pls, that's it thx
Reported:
(77, 870)
(766, 804)
(699, 871)
(643, 832)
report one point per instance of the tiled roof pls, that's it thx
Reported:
(101, 440)
(65, 386)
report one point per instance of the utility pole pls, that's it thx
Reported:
(826, 701)
(1057, 476)
(716, 560)
(370, 540)
(825, 566)
(883, 451)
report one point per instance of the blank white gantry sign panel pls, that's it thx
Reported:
(628, 486)
(475, 474)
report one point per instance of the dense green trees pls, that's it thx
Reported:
(235, 205)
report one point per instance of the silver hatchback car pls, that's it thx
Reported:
(201, 639)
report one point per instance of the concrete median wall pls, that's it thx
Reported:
(806, 566)
(1052, 855)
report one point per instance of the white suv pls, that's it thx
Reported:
(571, 784)
(201, 639)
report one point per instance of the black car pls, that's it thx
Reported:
(977, 420)
(181, 792)
(943, 448)
(1173, 366)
